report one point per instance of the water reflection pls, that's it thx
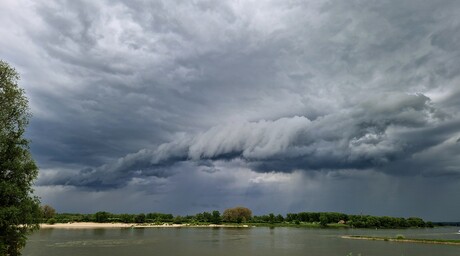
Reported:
(230, 241)
(99, 231)
(138, 232)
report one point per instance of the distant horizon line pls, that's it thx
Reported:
(457, 222)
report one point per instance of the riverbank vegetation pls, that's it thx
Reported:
(243, 215)
(400, 238)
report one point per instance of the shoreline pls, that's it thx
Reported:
(405, 240)
(95, 225)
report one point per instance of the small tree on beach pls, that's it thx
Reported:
(238, 214)
(48, 212)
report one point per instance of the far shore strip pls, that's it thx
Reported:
(92, 225)
(400, 240)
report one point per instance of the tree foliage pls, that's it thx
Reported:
(216, 219)
(357, 221)
(102, 217)
(48, 212)
(323, 220)
(140, 218)
(238, 214)
(19, 211)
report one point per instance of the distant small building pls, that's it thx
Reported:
(341, 222)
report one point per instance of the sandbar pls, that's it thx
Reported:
(404, 240)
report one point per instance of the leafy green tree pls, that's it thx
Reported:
(51, 221)
(292, 217)
(199, 217)
(429, 224)
(271, 218)
(372, 222)
(140, 218)
(216, 219)
(305, 217)
(102, 217)
(207, 217)
(160, 217)
(19, 211)
(323, 220)
(416, 222)
(279, 218)
(178, 220)
(126, 218)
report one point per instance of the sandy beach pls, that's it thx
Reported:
(92, 225)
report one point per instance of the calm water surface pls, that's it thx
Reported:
(233, 241)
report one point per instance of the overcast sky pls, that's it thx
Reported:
(280, 106)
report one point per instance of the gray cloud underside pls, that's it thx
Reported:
(273, 85)
(382, 134)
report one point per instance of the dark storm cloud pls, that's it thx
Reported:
(113, 175)
(382, 134)
(128, 96)
(258, 89)
(151, 74)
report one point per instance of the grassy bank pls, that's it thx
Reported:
(405, 240)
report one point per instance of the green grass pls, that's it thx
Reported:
(401, 238)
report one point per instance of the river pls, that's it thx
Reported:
(233, 241)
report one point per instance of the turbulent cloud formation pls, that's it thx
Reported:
(143, 97)
(367, 136)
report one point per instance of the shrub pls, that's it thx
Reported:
(178, 220)
(400, 237)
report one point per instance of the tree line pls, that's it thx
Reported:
(358, 221)
(241, 215)
(231, 215)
